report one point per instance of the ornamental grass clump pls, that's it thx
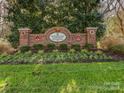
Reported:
(5, 47)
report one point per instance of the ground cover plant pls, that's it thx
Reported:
(56, 56)
(63, 78)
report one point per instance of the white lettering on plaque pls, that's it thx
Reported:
(57, 37)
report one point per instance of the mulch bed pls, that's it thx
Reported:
(115, 56)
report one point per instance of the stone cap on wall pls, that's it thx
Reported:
(25, 30)
(91, 28)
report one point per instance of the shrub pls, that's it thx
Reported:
(51, 47)
(89, 46)
(117, 49)
(76, 47)
(38, 47)
(24, 49)
(63, 47)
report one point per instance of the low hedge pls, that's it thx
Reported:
(50, 47)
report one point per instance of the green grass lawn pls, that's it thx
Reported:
(63, 78)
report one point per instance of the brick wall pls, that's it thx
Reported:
(26, 38)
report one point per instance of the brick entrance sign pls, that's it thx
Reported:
(58, 35)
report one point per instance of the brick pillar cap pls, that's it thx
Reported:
(25, 29)
(90, 28)
(93, 28)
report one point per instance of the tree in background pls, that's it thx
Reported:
(113, 11)
(39, 15)
(4, 25)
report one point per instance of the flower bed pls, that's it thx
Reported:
(54, 57)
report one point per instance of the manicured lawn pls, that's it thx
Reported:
(63, 78)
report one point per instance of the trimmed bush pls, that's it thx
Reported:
(117, 49)
(24, 49)
(76, 47)
(51, 47)
(63, 47)
(38, 47)
(89, 46)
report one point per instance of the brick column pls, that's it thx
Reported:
(91, 35)
(24, 36)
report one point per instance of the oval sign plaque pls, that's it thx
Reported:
(57, 37)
